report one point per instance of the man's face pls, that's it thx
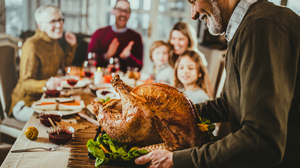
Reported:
(53, 25)
(122, 13)
(209, 11)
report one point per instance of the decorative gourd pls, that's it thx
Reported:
(31, 133)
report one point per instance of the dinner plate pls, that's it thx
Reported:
(64, 113)
(79, 84)
(64, 109)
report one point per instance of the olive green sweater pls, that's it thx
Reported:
(260, 98)
(41, 58)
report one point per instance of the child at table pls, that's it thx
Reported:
(190, 76)
(161, 72)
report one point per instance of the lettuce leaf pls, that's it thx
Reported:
(117, 150)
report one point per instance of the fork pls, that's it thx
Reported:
(29, 149)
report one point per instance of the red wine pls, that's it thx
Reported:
(63, 137)
(45, 121)
(88, 73)
(113, 69)
(52, 93)
(72, 82)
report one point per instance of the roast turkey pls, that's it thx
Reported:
(150, 114)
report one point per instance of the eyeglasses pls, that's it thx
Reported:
(60, 20)
(120, 10)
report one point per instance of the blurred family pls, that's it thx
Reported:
(41, 58)
(118, 41)
(261, 94)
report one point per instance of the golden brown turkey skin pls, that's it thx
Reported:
(150, 114)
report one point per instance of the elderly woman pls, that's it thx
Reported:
(41, 58)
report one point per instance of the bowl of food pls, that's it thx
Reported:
(105, 93)
(95, 87)
(55, 92)
(60, 135)
(54, 116)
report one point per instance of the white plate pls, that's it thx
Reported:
(79, 84)
(64, 109)
(64, 113)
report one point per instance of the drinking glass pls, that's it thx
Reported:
(72, 76)
(113, 65)
(87, 69)
(92, 59)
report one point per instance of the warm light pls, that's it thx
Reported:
(99, 69)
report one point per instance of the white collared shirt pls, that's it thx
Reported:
(237, 17)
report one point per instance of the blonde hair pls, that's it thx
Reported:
(157, 44)
(187, 30)
(43, 11)
(199, 67)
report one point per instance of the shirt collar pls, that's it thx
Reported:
(114, 28)
(237, 17)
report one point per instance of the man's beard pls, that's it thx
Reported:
(215, 27)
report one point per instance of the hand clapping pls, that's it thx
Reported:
(127, 50)
(112, 48)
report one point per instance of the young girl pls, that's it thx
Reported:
(190, 76)
(159, 55)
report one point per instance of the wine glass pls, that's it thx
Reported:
(72, 76)
(92, 59)
(87, 69)
(113, 65)
(133, 73)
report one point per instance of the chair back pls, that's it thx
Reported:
(8, 75)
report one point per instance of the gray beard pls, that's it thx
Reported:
(215, 28)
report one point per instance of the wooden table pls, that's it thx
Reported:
(72, 154)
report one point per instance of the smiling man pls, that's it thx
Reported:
(41, 58)
(261, 94)
(117, 41)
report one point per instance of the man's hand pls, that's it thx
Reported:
(70, 38)
(156, 159)
(112, 48)
(127, 50)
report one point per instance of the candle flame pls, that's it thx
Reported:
(99, 69)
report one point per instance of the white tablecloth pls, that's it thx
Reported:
(37, 158)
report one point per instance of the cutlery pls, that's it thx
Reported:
(30, 149)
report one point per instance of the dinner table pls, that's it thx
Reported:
(72, 154)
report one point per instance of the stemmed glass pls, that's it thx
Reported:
(72, 76)
(92, 59)
(87, 69)
(113, 65)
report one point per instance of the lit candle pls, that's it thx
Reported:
(98, 75)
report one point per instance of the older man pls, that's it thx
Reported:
(41, 58)
(261, 95)
(117, 41)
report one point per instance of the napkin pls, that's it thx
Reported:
(51, 104)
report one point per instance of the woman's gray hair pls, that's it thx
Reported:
(43, 11)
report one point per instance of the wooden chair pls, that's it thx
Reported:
(8, 80)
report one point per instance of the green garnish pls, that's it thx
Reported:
(116, 150)
(104, 100)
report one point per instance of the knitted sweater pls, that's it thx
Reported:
(260, 98)
(102, 38)
(41, 58)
